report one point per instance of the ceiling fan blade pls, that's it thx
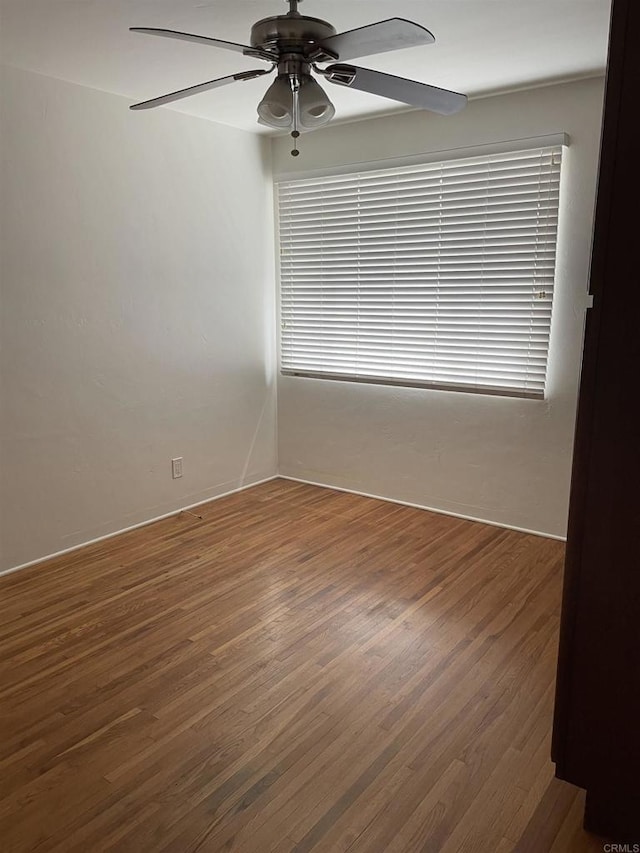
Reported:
(202, 87)
(397, 88)
(394, 34)
(228, 45)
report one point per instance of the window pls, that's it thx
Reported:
(438, 274)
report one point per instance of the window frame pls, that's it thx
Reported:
(459, 153)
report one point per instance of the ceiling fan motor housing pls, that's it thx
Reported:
(289, 34)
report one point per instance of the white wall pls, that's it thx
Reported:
(137, 298)
(137, 313)
(500, 459)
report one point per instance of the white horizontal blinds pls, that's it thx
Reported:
(438, 274)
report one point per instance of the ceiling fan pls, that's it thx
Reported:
(294, 44)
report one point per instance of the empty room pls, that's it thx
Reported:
(318, 507)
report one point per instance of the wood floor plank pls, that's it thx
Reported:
(299, 670)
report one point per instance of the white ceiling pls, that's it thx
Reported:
(481, 46)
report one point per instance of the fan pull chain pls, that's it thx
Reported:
(295, 133)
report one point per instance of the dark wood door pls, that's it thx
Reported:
(597, 719)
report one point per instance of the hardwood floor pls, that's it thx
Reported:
(300, 670)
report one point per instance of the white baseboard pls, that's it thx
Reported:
(267, 480)
(136, 526)
(427, 508)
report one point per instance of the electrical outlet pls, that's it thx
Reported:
(176, 468)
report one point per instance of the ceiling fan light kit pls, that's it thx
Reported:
(277, 107)
(296, 46)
